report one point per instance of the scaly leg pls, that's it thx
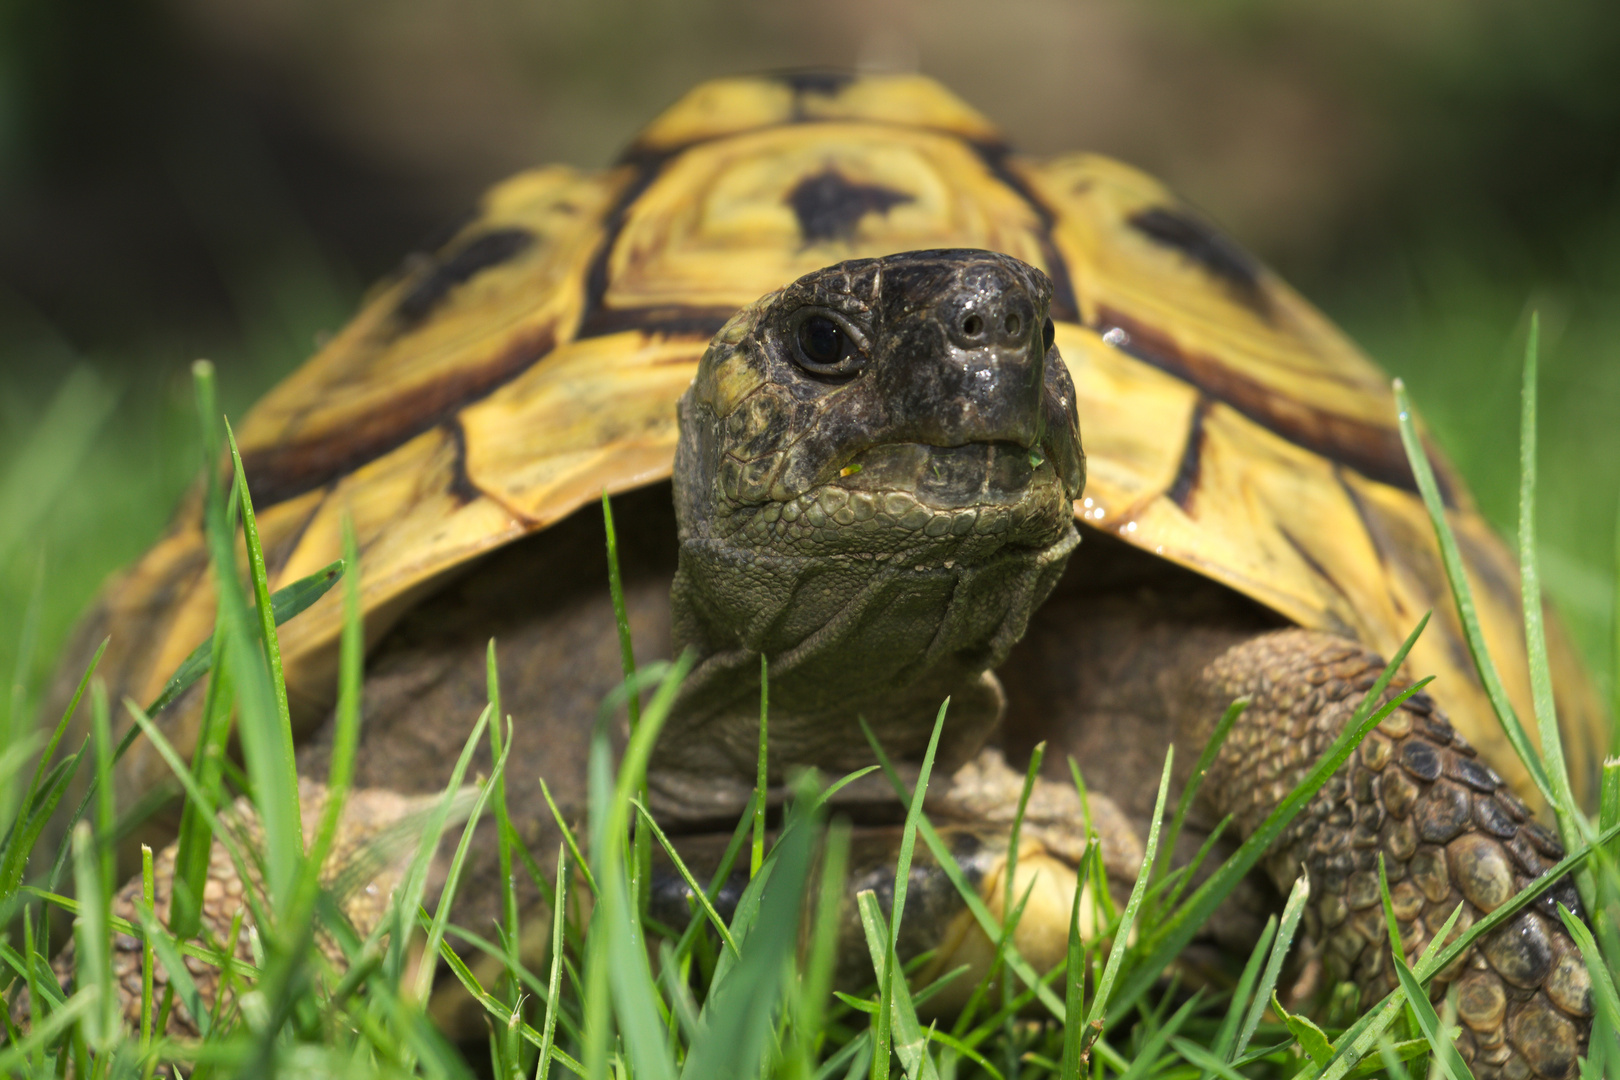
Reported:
(1448, 828)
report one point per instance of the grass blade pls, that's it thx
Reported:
(902, 877)
(414, 884)
(1011, 872)
(548, 1030)
(148, 954)
(1195, 780)
(1293, 910)
(698, 893)
(641, 850)
(345, 727)
(180, 980)
(284, 604)
(741, 1009)
(441, 912)
(32, 813)
(910, 1043)
(267, 744)
(1445, 1051)
(1571, 822)
(1463, 595)
(259, 577)
(93, 941)
(617, 959)
(207, 760)
(1074, 980)
(756, 855)
(1231, 1023)
(816, 984)
(1116, 954)
(506, 838)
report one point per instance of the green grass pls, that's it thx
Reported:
(620, 996)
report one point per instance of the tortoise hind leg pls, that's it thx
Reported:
(1449, 831)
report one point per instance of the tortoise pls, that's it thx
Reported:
(834, 349)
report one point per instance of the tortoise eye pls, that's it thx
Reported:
(823, 347)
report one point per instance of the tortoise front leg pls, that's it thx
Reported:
(1448, 829)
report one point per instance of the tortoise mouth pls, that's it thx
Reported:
(975, 474)
(961, 503)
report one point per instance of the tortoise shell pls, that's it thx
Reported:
(492, 387)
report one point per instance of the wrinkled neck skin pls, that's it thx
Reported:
(878, 573)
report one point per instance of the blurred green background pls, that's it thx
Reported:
(221, 178)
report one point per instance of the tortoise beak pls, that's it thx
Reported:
(966, 338)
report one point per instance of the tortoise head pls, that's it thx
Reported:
(874, 487)
(909, 403)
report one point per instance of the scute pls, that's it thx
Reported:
(388, 375)
(723, 107)
(719, 228)
(1228, 426)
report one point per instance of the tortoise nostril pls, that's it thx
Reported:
(1013, 324)
(972, 326)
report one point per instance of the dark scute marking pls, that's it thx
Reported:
(1381, 542)
(1207, 246)
(461, 485)
(1496, 575)
(830, 207)
(827, 83)
(1065, 307)
(480, 253)
(596, 277)
(1317, 568)
(672, 321)
(1374, 450)
(446, 232)
(1424, 562)
(280, 472)
(1192, 457)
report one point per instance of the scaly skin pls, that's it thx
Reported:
(1448, 830)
